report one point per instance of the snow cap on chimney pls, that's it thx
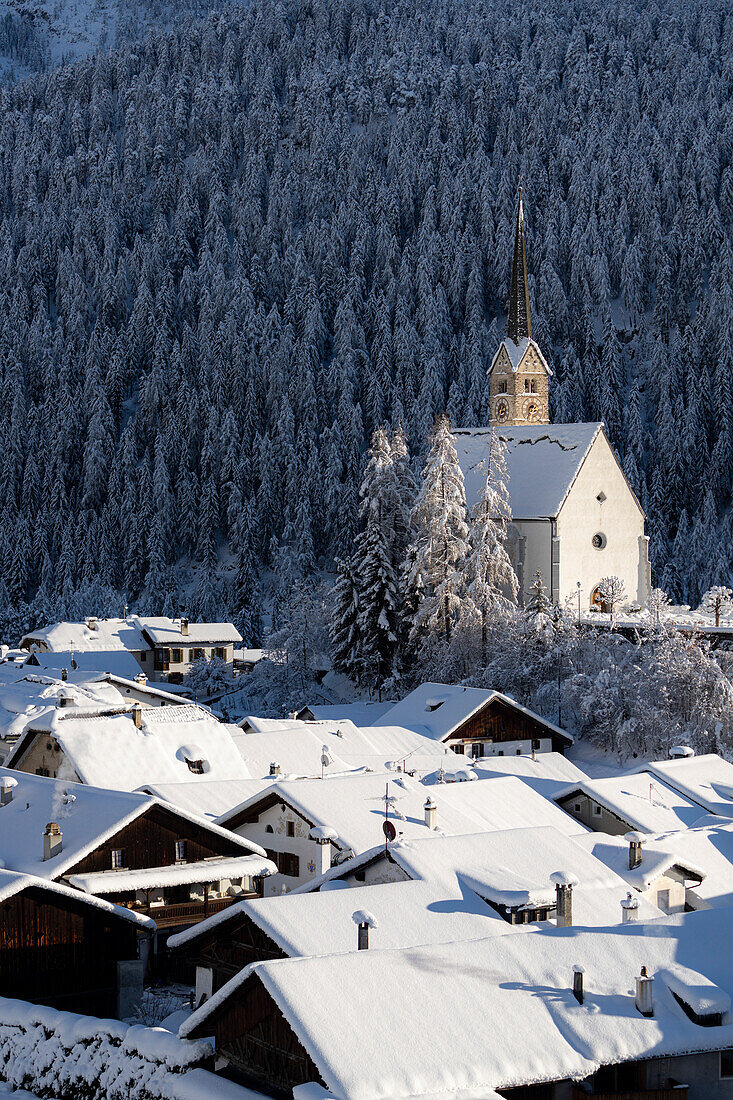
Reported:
(635, 840)
(564, 882)
(7, 784)
(365, 920)
(92, 622)
(680, 752)
(141, 679)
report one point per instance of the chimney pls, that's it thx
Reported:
(578, 973)
(635, 841)
(92, 622)
(63, 699)
(64, 674)
(431, 813)
(141, 679)
(365, 921)
(184, 627)
(629, 909)
(275, 768)
(137, 716)
(7, 783)
(564, 884)
(323, 837)
(644, 999)
(52, 840)
(292, 715)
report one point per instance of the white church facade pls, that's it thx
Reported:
(575, 517)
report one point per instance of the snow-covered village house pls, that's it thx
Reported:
(63, 948)
(163, 648)
(475, 722)
(575, 517)
(129, 849)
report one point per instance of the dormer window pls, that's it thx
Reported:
(195, 766)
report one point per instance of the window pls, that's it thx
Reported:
(726, 1063)
(597, 811)
(518, 752)
(177, 656)
(143, 656)
(502, 387)
(117, 859)
(195, 766)
(291, 828)
(42, 771)
(530, 385)
(269, 829)
(180, 850)
(220, 651)
(601, 497)
(196, 654)
(162, 660)
(289, 864)
(599, 540)
(576, 808)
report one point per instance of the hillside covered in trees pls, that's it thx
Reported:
(228, 254)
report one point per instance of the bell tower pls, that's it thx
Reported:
(519, 374)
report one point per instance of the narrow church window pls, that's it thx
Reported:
(527, 385)
(502, 387)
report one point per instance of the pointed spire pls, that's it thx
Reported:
(519, 321)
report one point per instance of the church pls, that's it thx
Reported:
(575, 517)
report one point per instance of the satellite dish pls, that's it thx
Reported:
(325, 759)
(389, 830)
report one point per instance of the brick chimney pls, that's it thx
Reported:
(431, 813)
(635, 854)
(564, 883)
(7, 785)
(53, 840)
(137, 716)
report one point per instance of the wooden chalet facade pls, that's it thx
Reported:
(259, 1046)
(502, 722)
(62, 949)
(221, 952)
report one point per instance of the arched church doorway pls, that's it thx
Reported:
(597, 600)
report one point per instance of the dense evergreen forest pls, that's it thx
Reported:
(228, 253)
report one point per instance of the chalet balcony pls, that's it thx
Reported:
(173, 914)
(674, 1092)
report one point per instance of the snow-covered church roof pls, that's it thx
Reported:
(543, 460)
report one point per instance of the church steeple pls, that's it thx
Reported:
(519, 373)
(519, 321)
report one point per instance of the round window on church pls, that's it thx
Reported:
(599, 540)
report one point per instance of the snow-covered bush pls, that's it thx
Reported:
(717, 601)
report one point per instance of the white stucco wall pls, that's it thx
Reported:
(619, 518)
(300, 845)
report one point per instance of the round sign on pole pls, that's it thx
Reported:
(389, 830)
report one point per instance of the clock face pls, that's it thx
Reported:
(501, 410)
(531, 411)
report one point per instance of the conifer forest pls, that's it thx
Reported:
(229, 252)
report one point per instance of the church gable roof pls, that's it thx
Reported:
(543, 460)
(525, 353)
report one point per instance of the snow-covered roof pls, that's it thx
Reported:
(547, 773)
(208, 798)
(88, 816)
(119, 662)
(706, 780)
(108, 750)
(516, 352)
(639, 799)
(105, 635)
(164, 631)
(363, 713)
(422, 1038)
(354, 806)
(179, 874)
(543, 460)
(297, 746)
(29, 697)
(13, 882)
(437, 710)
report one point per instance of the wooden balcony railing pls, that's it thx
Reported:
(187, 912)
(677, 1092)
